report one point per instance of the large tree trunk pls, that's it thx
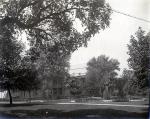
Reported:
(10, 97)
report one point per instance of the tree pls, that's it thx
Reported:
(100, 73)
(10, 51)
(52, 20)
(14, 74)
(19, 78)
(139, 51)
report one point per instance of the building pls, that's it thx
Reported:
(52, 89)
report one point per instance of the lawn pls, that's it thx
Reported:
(49, 109)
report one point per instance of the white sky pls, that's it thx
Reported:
(113, 41)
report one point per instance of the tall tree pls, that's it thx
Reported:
(10, 58)
(100, 72)
(139, 52)
(14, 74)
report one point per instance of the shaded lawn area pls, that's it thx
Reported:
(55, 110)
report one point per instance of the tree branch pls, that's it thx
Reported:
(47, 34)
(29, 4)
(7, 20)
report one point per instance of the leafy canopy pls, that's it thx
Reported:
(101, 71)
(51, 21)
(138, 50)
(15, 73)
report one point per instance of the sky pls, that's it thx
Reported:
(113, 41)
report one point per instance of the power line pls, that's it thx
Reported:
(138, 18)
(122, 14)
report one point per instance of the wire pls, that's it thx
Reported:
(122, 14)
(131, 16)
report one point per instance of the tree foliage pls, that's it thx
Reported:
(15, 74)
(101, 71)
(52, 20)
(139, 51)
(10, 57)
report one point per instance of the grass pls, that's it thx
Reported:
(54, 110)
(109, 113)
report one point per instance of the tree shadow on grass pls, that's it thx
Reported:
(21, 105)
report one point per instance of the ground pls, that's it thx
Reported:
(74, 110)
